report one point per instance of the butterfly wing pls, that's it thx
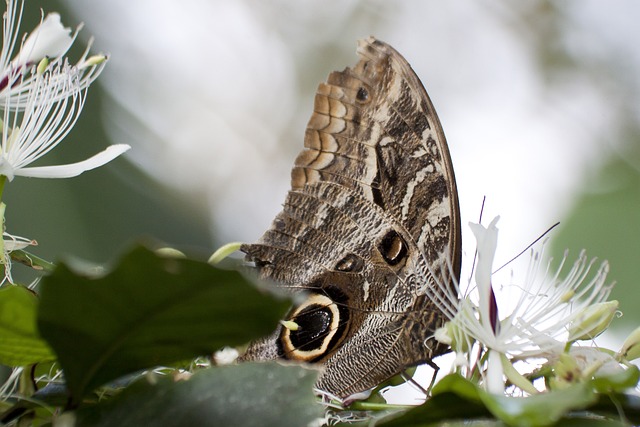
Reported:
(370, 228)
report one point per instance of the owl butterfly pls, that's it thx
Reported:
(370, 229)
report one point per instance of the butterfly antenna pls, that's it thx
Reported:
(528, 247)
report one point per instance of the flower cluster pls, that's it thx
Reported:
(41, 97)
(547, 317)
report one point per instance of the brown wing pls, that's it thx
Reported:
(370, 228)
(375, 131)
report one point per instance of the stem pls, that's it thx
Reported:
(26, 386)
(32, 261)
(374, 406)
(567, 347)
(3, 254)
(3, 180)
(476, 375)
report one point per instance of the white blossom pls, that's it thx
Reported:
(49, 41)
(42, 95)
(11, 243)
(46, 119)
(548, 312)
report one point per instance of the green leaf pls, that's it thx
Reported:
(541, 409)
(521, 411)
(249, 394)
(20, 343)
(454, 398)
(445, 406)
(618, 381)
(455, 383)
(147, 311)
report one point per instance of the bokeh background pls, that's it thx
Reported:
(539, 101)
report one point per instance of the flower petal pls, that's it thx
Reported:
(487, 239)
(50, 38)
(14, 243)
(75, 169)
(494, 380)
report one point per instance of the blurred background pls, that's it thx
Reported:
(539, 101)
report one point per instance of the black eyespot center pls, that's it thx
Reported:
(314, 323)
(319, 325)
(393, 248)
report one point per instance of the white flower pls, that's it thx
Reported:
(49, 41)
(41, 96)
(47, 118)
(545, 310)
(225, 356)
(15, 243)
(9, 244)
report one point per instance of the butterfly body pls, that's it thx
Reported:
(369, 232)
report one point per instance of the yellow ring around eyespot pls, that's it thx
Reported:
(304, 355)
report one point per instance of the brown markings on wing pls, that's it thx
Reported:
(375, 165)
(388, 146)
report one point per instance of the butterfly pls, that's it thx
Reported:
(369, 234)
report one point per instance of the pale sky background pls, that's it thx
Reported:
(214, 96)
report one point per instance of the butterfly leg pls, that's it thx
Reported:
(436, 369)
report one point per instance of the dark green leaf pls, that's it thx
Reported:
(470, 423)
(585, 421)
(454, 398)
(443, 407)
(147, 311)
(20, 343)
(614, 404)
(249, 394)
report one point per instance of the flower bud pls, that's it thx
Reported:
(42, 65)
(631, 347)
(454, 336)
(170, 253)
(223, 251)
(442, 335)
(93, 60)
(592, 321)
(565, 372)
(225, 356)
